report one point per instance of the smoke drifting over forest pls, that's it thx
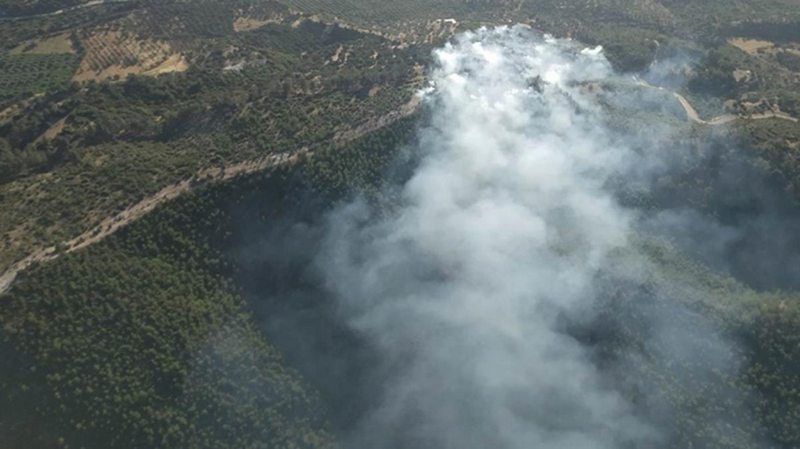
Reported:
(504, 230)
(512, 298)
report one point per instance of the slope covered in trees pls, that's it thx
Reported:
(146, 340)
(182, 330)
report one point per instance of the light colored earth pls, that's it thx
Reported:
(52, 132)
(175, 63)
(692, 115)
(750, 46)
(60, 43)
(112, 54)
(242, 24)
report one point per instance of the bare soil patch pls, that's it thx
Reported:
(750, 46)
(243, 24)
(53, 131)
(60, 43)
(111, 55)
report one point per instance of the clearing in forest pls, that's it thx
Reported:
(750, 46)
(60, 43)
(111, 54)
(242, 24)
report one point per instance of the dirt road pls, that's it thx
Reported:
(691, 112)
(210, 175)
(64, 10)
(205, 176)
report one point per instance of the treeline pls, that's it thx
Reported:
(768, 30)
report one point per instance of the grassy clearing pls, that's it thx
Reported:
(113, 55)
(61, 43)
(750, 46)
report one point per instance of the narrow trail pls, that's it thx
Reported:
(205, 176)
(58, 12)
(113, 223)
(692, 115)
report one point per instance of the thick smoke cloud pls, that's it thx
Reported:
(534, 285)
(503, 230)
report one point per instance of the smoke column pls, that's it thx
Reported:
(503, 229)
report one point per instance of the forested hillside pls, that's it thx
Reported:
(106, 104)
(160, 328)
(166, 167)
(70, 158)
(147, 339)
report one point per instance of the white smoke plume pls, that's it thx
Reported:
(503, 229)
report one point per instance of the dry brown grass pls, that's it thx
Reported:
(175, 63)
(53, 131)
(750, 46)
(60, 43)
(242, 24)
(111, 54)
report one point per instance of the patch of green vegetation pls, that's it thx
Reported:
(707, 106)
(102, 181)
(715, 77)
(177, 20)
(138, 343)
(777, 141)
(391, 15)
(628, 49)
(22, 74)
(786, 29)
(715, 73)
(751, 402)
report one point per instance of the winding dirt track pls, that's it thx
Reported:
(205, 176)
(58, 12)
(212, 175)
(692, 115)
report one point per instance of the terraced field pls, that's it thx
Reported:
(26, 74)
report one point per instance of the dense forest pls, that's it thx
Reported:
(147, 339)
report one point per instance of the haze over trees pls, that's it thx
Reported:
(246, 126)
